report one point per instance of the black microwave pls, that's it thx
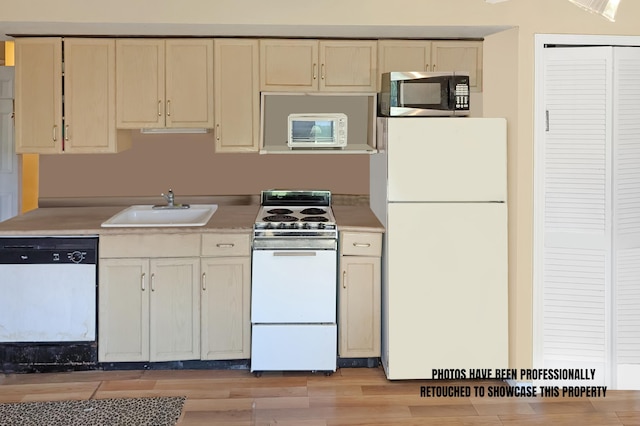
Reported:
(424, 94)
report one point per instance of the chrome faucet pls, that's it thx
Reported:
(170, 198)
(171, 202)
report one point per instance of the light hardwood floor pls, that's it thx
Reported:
(351, 396)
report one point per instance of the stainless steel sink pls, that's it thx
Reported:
(147, 215)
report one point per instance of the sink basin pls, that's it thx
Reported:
(146, 215)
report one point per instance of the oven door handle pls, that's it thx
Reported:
(294, 253)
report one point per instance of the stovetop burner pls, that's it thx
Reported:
(280, 211)
(279, 217)
(313, 210)
(314, 219)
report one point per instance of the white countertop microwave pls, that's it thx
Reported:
(317, 130)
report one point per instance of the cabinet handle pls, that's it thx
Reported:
(322, 71)
(142, 280)
(433, 67)
(361, 245)
(169, 108)
(204, 281)
(344, 279)
(153, 276)
(217, 132)
(159, 108)
(55, 133)
(315, 68)
(66, 132)
(225, 245)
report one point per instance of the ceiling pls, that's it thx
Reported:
(8, 30)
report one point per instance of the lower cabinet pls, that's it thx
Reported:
(149, 309)
(174, 297)
(359, 295)
(225, 301)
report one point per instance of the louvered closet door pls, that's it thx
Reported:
(574, 207)
(626, 208)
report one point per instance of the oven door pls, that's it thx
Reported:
(293, 286)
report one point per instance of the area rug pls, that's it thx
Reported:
(157, 411)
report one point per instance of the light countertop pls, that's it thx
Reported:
(227, 218)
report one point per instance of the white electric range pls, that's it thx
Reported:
(294, 283)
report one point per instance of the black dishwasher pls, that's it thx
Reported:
(48, 318)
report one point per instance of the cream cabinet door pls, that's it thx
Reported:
(140, 83)
(403, 55)
(226, 322)
(189, 83)
(359, 307)
(174, 314)
(237, 95)
(359, 301)
(90, 97)
(123, 321)
(459, 56)
(289, 65)
(38, 79)
(348, 66)
(309, 65)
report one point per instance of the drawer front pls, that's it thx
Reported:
(149, 245)
(225, 245)
(360, 243)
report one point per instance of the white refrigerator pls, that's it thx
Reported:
(439, 185)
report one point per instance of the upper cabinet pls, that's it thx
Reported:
(459, 56)
(84, 96)
(312, 65)
(423, 55)
(164, 83)
(236, 95)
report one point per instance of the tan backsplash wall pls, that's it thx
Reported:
(188, 165)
